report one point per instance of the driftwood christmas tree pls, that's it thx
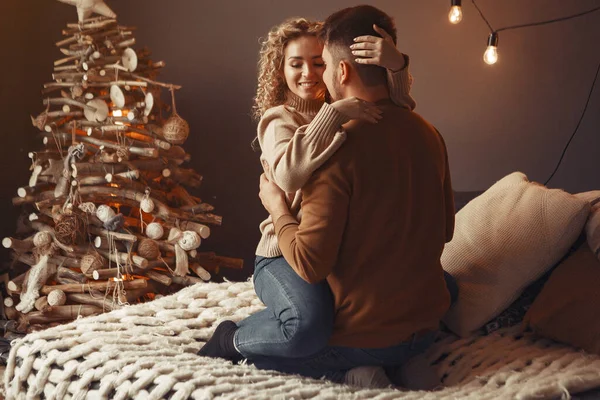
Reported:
(108, 218)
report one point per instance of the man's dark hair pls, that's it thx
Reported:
(340, 29)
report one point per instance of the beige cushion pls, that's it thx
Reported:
(592, 226)
(504, 240)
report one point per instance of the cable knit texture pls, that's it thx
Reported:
(504, 240)
(298, 137)
(148, 351)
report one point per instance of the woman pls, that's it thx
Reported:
(297, 132)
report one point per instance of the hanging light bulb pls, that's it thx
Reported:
(491, 53)
(455, 14)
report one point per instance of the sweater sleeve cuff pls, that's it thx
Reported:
(399, 83)
(324, 126)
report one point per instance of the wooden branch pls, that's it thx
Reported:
(19, 246)
(95, 168)
(116, 235)
(160, 278)
(229, 262)
(198, 208)
(63, 274)
(188, 177)
(62, 313)
(201, 272)
(123, 258)
(15, 285)
(41, 304)
(186, 280)
(25, 191)
(102, 285)
(107, 273)
(141, 151)
(62, 101)
(105, 304)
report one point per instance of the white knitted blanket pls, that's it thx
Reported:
(148, 351)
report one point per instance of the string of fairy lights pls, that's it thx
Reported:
(490, 56)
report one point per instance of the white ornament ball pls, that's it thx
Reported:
(190, 240)
(42, 238)
(154, 230)
(105, 213)
(147, 205)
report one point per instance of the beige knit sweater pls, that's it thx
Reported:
(298, 137)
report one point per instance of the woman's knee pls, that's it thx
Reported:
(308, 333)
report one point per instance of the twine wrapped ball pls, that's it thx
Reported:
(42, 239)
(148, 249)
(105, 213)
(190, 240)
(147, 205)
(176, 130)
(57, 298)
(154, 230)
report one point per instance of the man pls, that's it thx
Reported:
(375, 218)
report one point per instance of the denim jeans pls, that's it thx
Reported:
(292, 333)
(298, 320)
(332, 362)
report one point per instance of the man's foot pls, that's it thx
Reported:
(220, 345)
(368, 377)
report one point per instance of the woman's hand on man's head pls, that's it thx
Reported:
(380, 51)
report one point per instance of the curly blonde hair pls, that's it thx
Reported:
(271, 90)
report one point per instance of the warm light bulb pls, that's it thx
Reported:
(117, 113)
(455, 14)
(491, 53)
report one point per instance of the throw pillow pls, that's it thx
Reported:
(503, 241)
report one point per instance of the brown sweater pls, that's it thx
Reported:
(375, 218)
(296, 138)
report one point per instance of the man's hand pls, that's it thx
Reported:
(272, 198)
(378, 51)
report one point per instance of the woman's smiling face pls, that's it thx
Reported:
(303, 68)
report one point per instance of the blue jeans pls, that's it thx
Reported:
(298, 320)
(292, 333)
(333, 362)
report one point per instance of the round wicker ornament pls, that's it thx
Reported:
(176, 130)
(148, 249)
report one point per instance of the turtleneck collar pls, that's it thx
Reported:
(309, 107)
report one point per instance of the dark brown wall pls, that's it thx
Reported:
(516, 115)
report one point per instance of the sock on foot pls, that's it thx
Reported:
(220, 345)
(367, 377)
